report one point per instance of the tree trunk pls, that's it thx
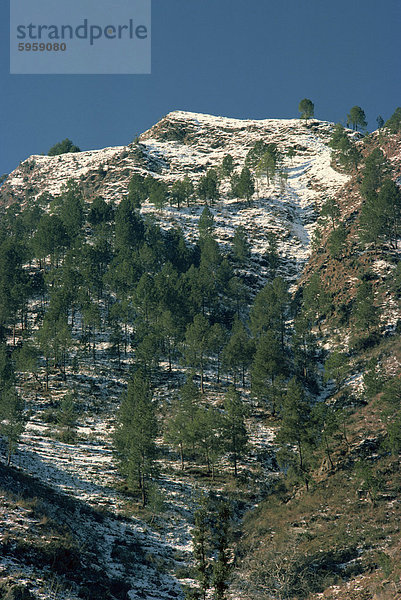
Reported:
(182, 456)
(328, 453)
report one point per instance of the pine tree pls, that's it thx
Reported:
(129, 227)
(270, 309)
(201, 542)
(337, 242)
(211, 540)
(208, 187)
(393, 124)
(241, 246)
(63, 148)
(305, 352)
(100, 212)
(158, 193)
(197, 344)
(221, 568)
(12, 421)
(376, 167)
(208, 436)
(182, 427)
(269, 163)
(66, 417)
(357, 118)
(297, 429)
(218, 339)
(336, 367)
(330, 209)
(234, 430)
(206, 223)
(256, 152)
(188, 188)
(238, 353)
(177, 193)
(137, 190)
(365, 312)
(72, 210)
(268, 363)
(227, 166)
(243, 185)
(307, 109)
(389, 206)
(316, 300)
(135, 434)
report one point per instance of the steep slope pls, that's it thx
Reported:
(340, 539)
(138, 558)
(188, 144)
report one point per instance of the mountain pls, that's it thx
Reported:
(185, 143)
(104, 312)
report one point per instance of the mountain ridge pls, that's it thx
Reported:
(185, 143)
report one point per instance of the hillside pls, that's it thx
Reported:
(188, 144)
(107, 297)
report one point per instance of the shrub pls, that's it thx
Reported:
(63, 147)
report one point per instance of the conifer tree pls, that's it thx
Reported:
(306, 108)
(365, 312)
(182, 426)
(234, 429)
(243, 185)
(336, 367)
(158, 193)
(305, 352)
(63, 148)
(137, 190)
(197, 345)
(72, 210)
(188, 189)
(227, 166)
(208, 187)
(357, 118)
(211, 540)
(393, 124)
(256, 152)
(376, 167)
(135, 434)
(270, 309)
(389, 207)
(12, 421)
(201, 542)
(268, 363)
(337, 242)
(209, 425)
(218, 339)
(316, 300)
(297, 429)
(330, 209)
(268, 163)
(238, 353)
(221, 565)
(206, 223)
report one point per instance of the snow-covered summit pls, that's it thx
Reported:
(186, 143)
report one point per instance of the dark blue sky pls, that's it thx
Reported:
(239, 58)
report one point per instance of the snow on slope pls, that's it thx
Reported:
(186, 143)
(180, 144)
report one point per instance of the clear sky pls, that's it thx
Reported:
(239, 58)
